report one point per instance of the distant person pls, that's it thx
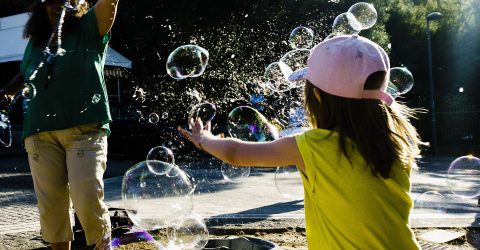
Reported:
(67, 123)
(355, 163)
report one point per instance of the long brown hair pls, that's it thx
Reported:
(38, 27)
(381, 133)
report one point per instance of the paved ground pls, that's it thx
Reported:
(251, 202)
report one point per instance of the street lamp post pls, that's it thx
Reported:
(431, 17)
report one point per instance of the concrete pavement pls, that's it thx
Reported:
(251, 202)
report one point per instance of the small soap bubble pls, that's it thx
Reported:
(157, 156)
(295, 60)
(365, 14)
(189, 232)
(153, 118)
(392, 90)
(29, 91)
(204, 111)
(301, 38)
(346, 24)
(96, 98)
(164, 115)
(276, 77)
(289, 182)
(187, 61)
(402, 80)
(463, 177)
(232, 173)
(430, 202)
(247, 124)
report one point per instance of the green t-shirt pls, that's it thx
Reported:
(76, 93)
(346, 206)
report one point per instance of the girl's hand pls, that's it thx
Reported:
(199, 132)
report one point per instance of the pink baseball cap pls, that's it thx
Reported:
(341, 65)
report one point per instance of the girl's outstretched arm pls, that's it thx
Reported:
(105, 11)
(281, 152)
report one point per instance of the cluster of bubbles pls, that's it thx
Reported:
(463, 182)
(158, 198)
(360, 16)
(246, 122)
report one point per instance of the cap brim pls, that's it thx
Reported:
(299, 74)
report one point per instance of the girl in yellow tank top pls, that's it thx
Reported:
(356, 159)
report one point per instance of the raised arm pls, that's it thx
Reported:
(281, 152)
(105, 11)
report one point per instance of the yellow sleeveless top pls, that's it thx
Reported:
(346, 206)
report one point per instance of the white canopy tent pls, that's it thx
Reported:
(12, 43)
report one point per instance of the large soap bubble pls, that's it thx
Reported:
(463, 176)
(289, 183)
(152, 200)
(365, 14)
(276, 77)
(247, 124)
(346, 24)
(400, 82)
(187, 61)
(301, 38)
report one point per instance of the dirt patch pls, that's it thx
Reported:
(287, 238)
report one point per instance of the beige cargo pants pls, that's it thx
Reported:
(68, 165)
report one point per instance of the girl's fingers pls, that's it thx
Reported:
(200, 123)
(208, 126)
(191, 122)
(185, 133)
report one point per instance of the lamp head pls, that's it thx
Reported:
(434, 16)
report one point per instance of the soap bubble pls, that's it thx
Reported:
(232, 173)
(346, 24)
(157, 156)
(401, 79)
(247, 124)
(276, 77)
(392, 90)
(365, 14)
(289, 182)
(153, 118)
(295, 60)
(96, 98)
(125, 237)
(301, 38)
(29, 91)
(463, 176)
(204, 111)
(152, 200)
(430, 202)
(187, 61)
(189, 232)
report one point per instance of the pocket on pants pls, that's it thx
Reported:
(88, 140)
